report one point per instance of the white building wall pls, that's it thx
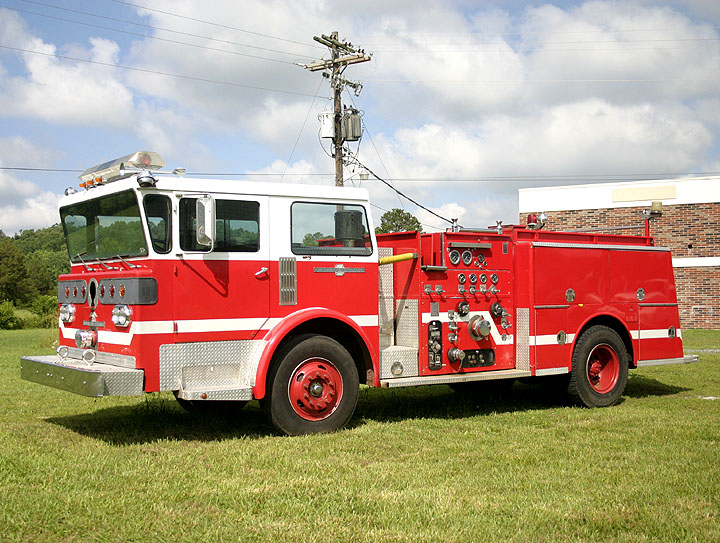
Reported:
(614, 195)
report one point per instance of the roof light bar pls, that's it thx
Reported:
(122, 167)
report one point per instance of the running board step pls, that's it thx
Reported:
(210, 393)
(454, 378)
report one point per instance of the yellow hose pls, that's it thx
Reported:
(397, 258)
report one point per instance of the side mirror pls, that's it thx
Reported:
(205, 214)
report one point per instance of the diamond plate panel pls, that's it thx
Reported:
(407, 357)
(386, 274)
(241, 355)
(387, 322)
(214, 394)
(522, 339)
(408, 326)
(94, 380)
(225, 375)
(386, 302)
(123, 383)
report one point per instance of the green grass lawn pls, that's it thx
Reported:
(420, 464)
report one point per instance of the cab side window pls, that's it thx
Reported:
(237, 226)
(329, 229)
(158, 212)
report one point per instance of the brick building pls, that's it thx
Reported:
(689, 225)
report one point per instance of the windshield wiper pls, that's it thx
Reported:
(79, 257)
(105, 265)
(129, 264)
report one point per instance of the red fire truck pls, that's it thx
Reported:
(228, 291)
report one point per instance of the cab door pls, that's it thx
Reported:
(222, 291)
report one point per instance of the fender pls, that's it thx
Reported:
(606, 311)
(276, 335)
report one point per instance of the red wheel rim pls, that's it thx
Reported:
(315, 389)
(603, 368)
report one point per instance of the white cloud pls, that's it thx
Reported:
(17, 151)
(59, 91)
(25, 206)
(301, 171)
(572, 138)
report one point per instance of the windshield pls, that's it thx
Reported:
(106, 227)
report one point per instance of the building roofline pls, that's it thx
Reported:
(685, 190)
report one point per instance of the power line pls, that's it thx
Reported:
(509, 49)
(372, 142)
(523, 81)
(287, 164)
(469, 179)
(400, 193)
(213, 23)
(38, 169)
(156, 72)
(177, 42)
(584, 42)
(545, 178)
(156, 28)
(549, 32)
(388, 211)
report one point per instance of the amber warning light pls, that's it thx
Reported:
(121, 167)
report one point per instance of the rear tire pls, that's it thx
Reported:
(312, 387)
(599, 368)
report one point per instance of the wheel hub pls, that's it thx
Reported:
(315, 389)
(603, 368)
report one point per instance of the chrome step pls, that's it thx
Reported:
(454, 378)
(210, 393)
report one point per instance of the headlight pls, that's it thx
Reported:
(86, 339)
(121, 316)
(67, 313)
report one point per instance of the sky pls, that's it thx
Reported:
(463, 102)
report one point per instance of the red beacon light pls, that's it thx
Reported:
(536, 222)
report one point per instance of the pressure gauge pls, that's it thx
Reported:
(467, 257)
(473, 278)
(483, 278)
(461, 278)
(494, 278)
(454, 257)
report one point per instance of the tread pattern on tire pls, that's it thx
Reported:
(276, 404)
(579, 388)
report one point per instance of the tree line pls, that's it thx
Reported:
(30, 263)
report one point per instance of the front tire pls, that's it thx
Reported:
(599, 368)
(312, 387)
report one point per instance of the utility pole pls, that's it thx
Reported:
(336, 65)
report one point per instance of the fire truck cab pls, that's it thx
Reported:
(228, 291)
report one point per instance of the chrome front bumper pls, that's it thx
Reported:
(94, 380)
